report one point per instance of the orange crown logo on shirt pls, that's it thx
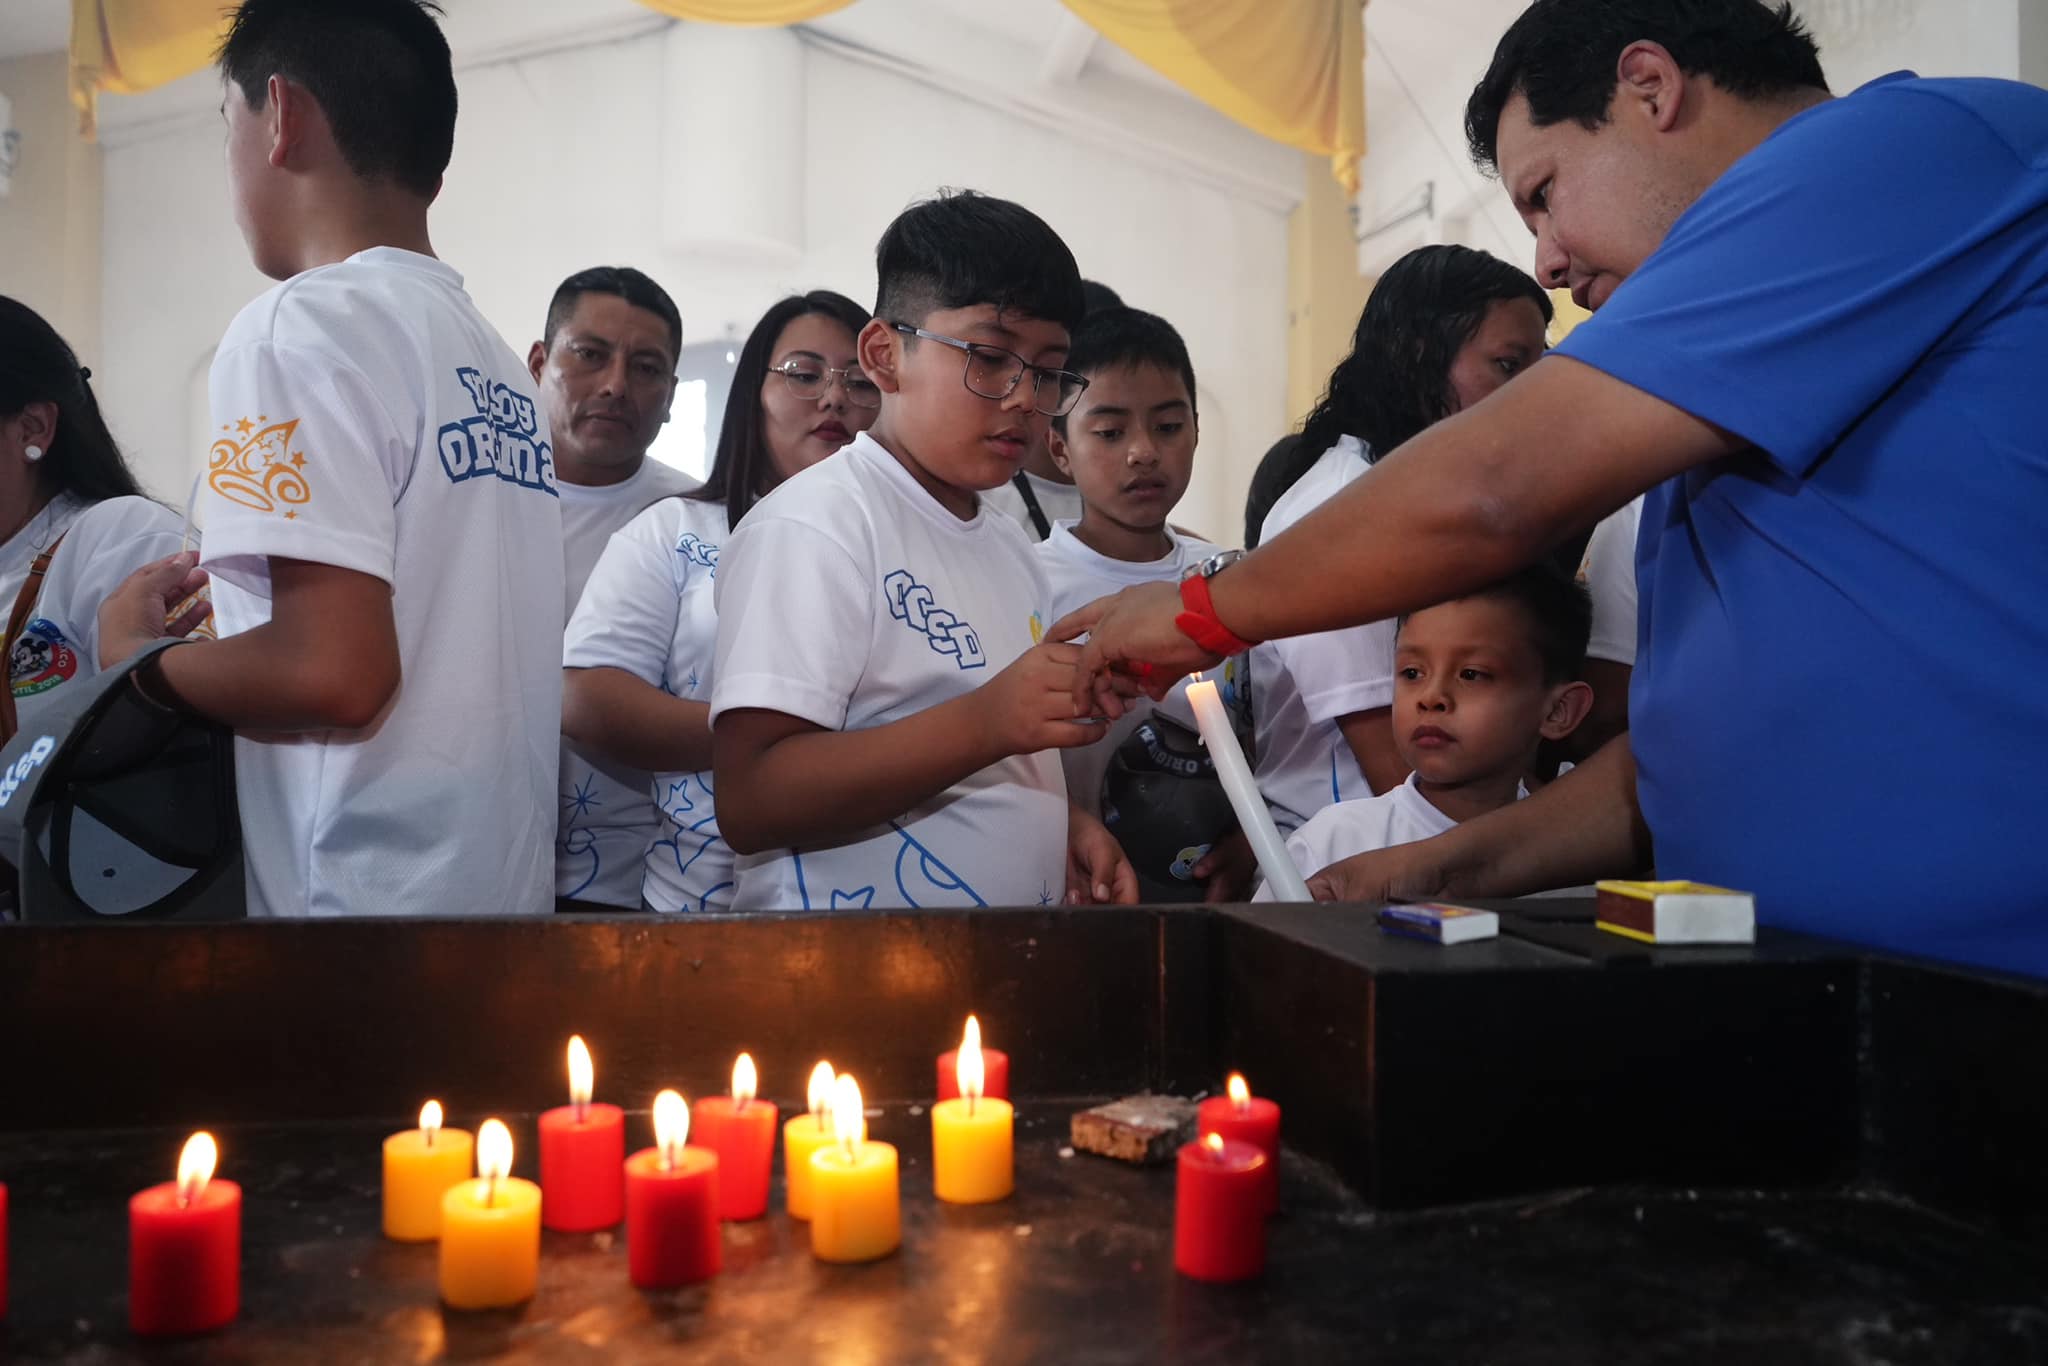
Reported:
(255, 465)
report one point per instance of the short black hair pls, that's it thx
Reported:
(1561, 55)
(963, 249)
(379, 68)
(1127, 337)
(1559, 612)
(635, 287)
(1096, 297)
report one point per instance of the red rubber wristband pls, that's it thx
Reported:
(1199, 622)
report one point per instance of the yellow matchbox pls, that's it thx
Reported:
(1676, 912)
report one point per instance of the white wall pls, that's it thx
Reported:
(50, 217)
(558, 165)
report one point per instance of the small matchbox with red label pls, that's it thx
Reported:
(1676, 912)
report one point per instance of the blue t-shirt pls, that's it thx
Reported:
(1841, 696)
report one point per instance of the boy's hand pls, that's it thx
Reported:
(1097, 872)
(137, 614)
(1228, 872)
(1030, 705)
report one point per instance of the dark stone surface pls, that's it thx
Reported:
(1077, 1268)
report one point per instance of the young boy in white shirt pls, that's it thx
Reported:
(881, 712)
(383, 530)
(1480, 682)
(1129, 447)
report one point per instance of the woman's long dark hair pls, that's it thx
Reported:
(1397, 379)
(37, 366)
(743, 469)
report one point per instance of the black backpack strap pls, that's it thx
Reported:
(1022, 483)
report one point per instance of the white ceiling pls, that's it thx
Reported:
(31, 26)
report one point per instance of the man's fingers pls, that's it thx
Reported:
(1080, 621)
(191, 619)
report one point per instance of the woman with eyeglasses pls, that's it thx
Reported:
(637, 655)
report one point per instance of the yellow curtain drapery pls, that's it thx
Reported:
(1293, 70)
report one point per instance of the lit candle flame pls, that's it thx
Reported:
(1214, 1143)
(1240, 1094)
(967, 1064)
(493, 1156)
(820, 1092)
(745, 1081)
(671, 1127)
(849, 1116)
(430, 1120)
(195, 1167)
(582, 1075)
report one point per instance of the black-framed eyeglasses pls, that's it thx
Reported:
(808, 377)
(992, 372)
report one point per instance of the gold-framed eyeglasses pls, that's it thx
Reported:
(992, 372)
(808, 377)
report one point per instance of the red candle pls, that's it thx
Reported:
(741, 1130)
(995, 1068)
(185, 1249)
(1219, 1210)
(582, 1155)
(672, 1233)
(1247, 1118)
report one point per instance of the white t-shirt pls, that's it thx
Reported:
(103, 544)
(606, 822)
(1059, 502)
(648, 609)
(850, 598)
(1078, 576)
(1609, 574)
(368, 417)
(1303, 684)
(1363, 825)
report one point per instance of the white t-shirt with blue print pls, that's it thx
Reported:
(850, 598)
(1302, 685)
(648, 610)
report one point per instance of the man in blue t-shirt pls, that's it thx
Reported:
(1822, 344)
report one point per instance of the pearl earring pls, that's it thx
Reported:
(33, 453)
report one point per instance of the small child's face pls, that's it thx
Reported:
(1470, 703)
(1130, 445)
(958, 436)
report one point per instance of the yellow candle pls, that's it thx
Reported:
(804, 1135)
(855, 1215)
(971, 1149)
(490, 1231)
(419, 1167)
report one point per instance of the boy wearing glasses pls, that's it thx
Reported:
(882, 714)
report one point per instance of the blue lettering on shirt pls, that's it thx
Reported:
(911, 603)
(502, 439)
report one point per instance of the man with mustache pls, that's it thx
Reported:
(606, 370)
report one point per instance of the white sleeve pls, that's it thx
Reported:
(794, 622)
(306, 464)
(108, 542)
(1609, 573)
(1341, 672)
(631, 606)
